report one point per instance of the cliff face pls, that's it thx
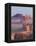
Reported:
(21, 27)
(21, 22)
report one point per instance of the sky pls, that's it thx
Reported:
(21, 10)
